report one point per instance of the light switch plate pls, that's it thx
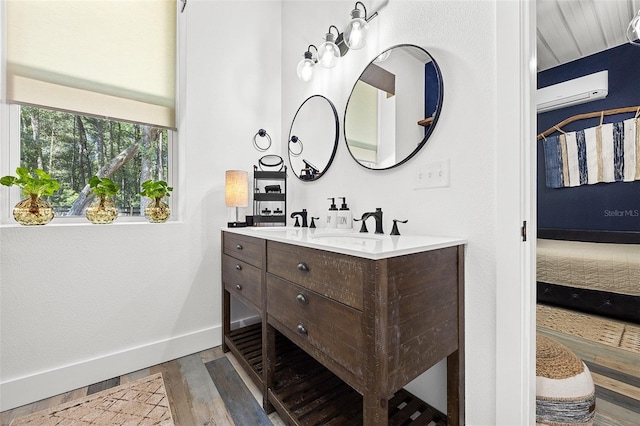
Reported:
(432, 175)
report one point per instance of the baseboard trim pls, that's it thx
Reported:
(34, 387)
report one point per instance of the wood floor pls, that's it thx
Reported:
(616, 374)
(195, 400)
(192, 394)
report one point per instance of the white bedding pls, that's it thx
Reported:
(597, 266)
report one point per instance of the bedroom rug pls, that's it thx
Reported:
(596, 329)
(141, 402)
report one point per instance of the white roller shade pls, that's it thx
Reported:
(109, 58)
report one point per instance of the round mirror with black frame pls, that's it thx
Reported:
(393, 107)
(313, 138)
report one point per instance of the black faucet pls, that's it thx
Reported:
(303, 215)
(377, 215)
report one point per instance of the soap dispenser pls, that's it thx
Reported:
(332, 214)
(345, 217)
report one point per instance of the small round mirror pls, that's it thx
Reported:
(313, 138)
(393, 107)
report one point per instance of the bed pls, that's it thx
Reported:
(590, 271)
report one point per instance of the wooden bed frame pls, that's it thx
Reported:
(613, 305)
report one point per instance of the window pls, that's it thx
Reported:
(72, 148)
(90, 89)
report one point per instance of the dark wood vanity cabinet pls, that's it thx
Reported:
(348, 331)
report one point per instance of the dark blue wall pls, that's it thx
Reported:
(603, 206)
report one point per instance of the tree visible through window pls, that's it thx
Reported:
(72, 148)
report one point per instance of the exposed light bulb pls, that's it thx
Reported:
(355, 35)
(305, 67)
(633, 30)
(328, 52)
(305, 70)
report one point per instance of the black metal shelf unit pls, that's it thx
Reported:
(263, 181)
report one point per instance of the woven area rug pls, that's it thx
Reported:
(596, 329)
(142, 402)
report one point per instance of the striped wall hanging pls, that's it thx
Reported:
(606, 153)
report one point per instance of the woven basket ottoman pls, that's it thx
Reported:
(565, 394)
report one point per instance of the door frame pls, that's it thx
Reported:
(516, 207)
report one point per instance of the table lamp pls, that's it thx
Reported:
(236, 193)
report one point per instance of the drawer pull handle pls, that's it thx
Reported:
(303, 267)
(302, 299)
(302, 329)
(238, 287)
(239, 246)
(238, 267)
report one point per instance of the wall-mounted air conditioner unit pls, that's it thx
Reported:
(573, 92)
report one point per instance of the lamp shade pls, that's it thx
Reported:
(236, 188)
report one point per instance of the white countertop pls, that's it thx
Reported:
(350, 241)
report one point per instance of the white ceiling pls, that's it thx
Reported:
(571, 29)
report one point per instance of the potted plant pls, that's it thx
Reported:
(103, 209)
(157, 211)
(33, 210)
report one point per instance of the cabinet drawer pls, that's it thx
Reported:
(337, 276)
(249, 249)
(329, 326)
(242, 279)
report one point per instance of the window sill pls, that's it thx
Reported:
(80, 221)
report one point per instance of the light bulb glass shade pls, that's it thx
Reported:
(328, 53)
(355, 35)
(633, 30)
(305, 69)
(236, 188)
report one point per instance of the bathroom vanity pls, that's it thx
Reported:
(346, 320)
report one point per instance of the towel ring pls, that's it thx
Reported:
(262, 133)
(295, 139)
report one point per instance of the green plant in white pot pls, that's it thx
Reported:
(103, 209)
(33, 210)
(157, 211)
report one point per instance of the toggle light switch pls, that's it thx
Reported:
(432, 175)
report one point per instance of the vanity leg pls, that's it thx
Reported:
(455, 361)
(268, 363)
(226, 318)
(375, 411)
(455, 391)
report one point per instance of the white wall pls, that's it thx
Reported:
(84, 303)
(462, 38)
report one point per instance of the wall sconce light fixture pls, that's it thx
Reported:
(236, 193)
(329, 53)
(633, 30)
(355, 35)
(337, 45)
(305, 66)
